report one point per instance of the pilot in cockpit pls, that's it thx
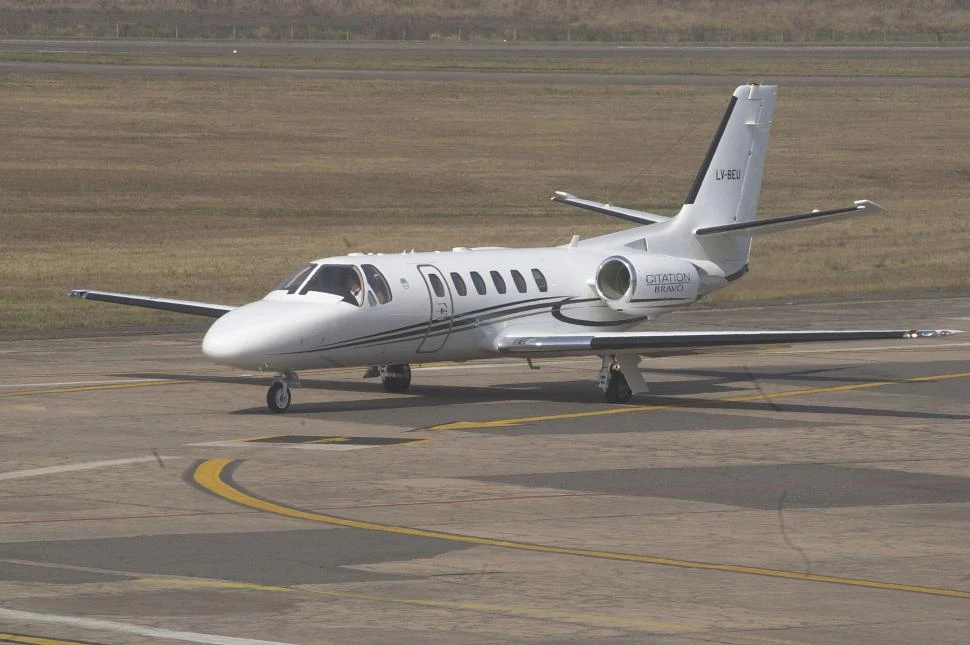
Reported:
(352, 289)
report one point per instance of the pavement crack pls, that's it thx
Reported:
(784, 533)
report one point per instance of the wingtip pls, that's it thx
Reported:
(869, 205)
(933, 333)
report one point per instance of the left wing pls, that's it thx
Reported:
(645, 342)
(166, 304)
(629, 214)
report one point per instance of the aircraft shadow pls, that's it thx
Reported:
(680, 396)
(836, 375)
(434, 397)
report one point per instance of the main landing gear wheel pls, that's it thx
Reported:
(396, 378)
(278, 397)
(618, 390)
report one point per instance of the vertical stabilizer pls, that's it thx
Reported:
(727, 185)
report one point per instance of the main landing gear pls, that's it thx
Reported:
(278, 397)
(620, 377)
(395, 378)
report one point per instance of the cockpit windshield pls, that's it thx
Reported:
(345, 280)
(337, 279)
(293, 281)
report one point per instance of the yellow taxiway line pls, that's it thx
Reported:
(503, 423)
(211, 475)
(89, 388)
(37, 640)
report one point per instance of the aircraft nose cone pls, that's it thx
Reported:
(230, 340)
(259, 334)
(221, 344)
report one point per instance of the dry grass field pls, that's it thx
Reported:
(535, 20)
(212, 189)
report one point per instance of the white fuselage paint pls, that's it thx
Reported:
(290, 331)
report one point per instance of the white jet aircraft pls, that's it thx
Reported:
(588, 297)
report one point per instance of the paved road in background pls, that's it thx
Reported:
(420, 51)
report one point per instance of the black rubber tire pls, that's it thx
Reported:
(618, 391)
(398, 378)
(278, 397)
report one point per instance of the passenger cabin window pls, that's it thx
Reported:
(337, 279)
(293, 281)
(459, 283)
(540, 280)
(479, 283)
(437, 285)
(498, 280)
(519, 281)
(378, 285)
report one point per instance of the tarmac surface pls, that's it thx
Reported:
(508, 53)
(813, 494)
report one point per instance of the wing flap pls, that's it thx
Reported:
(629, 214)
(150, 302)
(786, 222)
(648, 342)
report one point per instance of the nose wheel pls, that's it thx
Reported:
(395, 378)
(278, 397)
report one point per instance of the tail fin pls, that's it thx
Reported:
(728, 183)
(726, 189)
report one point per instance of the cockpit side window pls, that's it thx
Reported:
(377, 283)
(293, 281)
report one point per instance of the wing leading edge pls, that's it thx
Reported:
(165, 304)
(646, 342)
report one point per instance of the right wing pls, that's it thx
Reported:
(165, 304)
(786, 222)
(648, 342)
(640, 217)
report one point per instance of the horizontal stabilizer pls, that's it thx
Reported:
(785, 222)
(640, 217)
(149, 302)
(646, 342)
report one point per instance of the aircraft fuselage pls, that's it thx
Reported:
(447, 306)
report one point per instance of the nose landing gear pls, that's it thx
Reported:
(278, 397)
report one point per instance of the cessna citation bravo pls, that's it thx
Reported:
(588, 297)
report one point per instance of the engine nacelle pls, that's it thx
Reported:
(634, 283)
